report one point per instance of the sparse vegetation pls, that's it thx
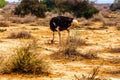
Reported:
(114, 60)
(92, 76)
(4, 24)
(113, 49)
(21, 34)
(25, 60)
(22, 20)
(3, 30)
(118, 27)
(93, 40)
(69, 47)
(90, 55)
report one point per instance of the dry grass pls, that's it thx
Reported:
(109, 23)
(25, 60)
(3, 30)
(21, 34)
(114, 72)
(114, 60)
(96, 18)
(43, 22)
(87, 23)
(4, 24)
(70, 46)
(113, 49)
(22, 20)
(91, 54)
(93, 75)
(68, 49)
(118, 26)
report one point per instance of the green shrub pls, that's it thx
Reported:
(33, 7)
(78, 8)
(50, 4)
(84, 9)
(2, 3)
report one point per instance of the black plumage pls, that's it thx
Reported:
(60, 23)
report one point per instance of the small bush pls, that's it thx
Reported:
(26, 60)
(2, 30)
(114, 60)
(21, 34)
(87, 23)
(114, 49)
(2, 3)
(4, 24)
(93, 75)
(114, 72)
(96, 18)
(68, 48)
(90, 55)
(118, 27)
(109, 23)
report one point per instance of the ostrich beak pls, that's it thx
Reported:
(74, 23)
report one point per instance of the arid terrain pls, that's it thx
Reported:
(98, 47)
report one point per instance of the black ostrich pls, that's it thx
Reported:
(61, 23)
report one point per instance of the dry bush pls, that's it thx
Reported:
(106, 22)
(26, 19)
(43, 22)
(109, 23)
(96, 18)
(114, 72)
(118, 27)
(114, 49)
(87, 23)
(25, 60)
(93, 75)
(21, 34)
(105, 13)
(34, 28)
(91, 54)
(68, 48)
(78, 41)
(114, 60)
(4, 24)
(3, 30)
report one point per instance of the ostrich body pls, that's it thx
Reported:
(61, 23)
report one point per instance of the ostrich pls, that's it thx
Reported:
(61, 23)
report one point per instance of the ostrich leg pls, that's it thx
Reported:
(52, 41)
(68, 37)
(59, 37)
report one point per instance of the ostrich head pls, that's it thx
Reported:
(74, 23)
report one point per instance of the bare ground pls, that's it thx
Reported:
(100, 42)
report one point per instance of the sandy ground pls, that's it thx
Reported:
(100, 41)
